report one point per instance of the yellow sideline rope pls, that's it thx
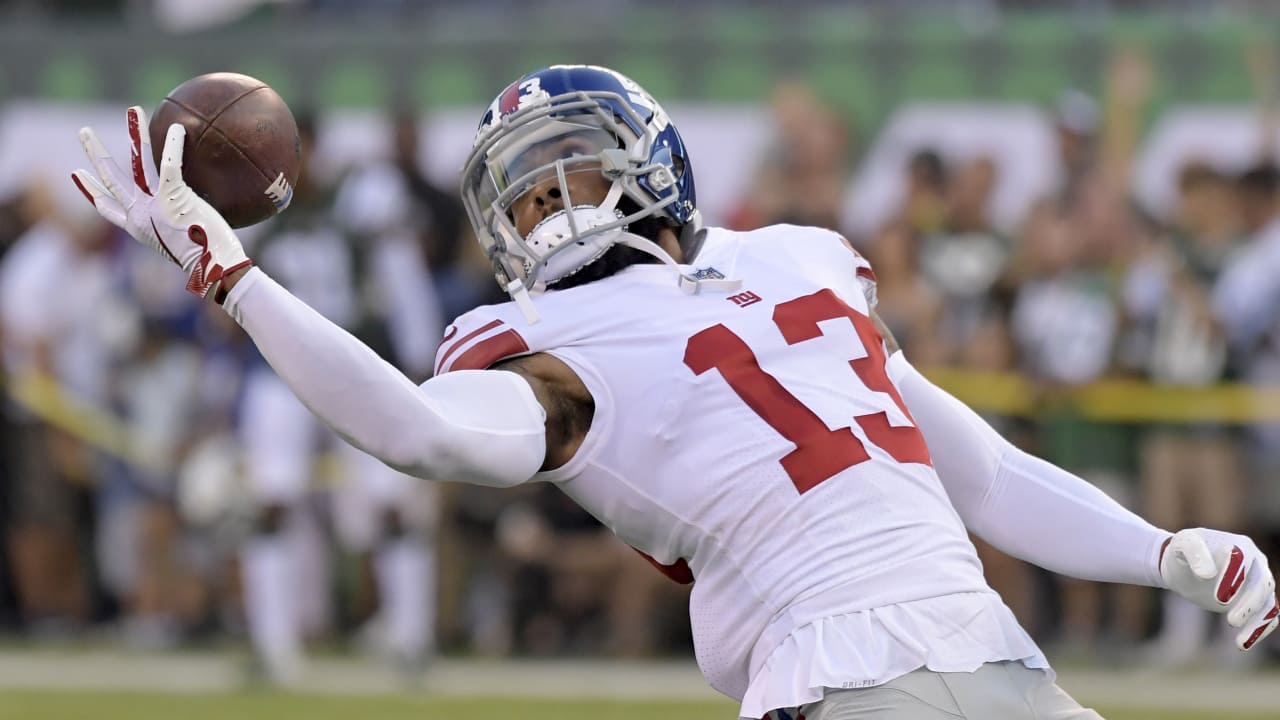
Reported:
(1119, 401)
(95, 426)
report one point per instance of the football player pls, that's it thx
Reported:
(378, 514)
(726, 404)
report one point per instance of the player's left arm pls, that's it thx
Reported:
(1036, 511)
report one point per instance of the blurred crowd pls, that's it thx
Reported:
(226, 511)
(1090, 285)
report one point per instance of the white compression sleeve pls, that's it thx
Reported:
(484, 427)
(1023, 505)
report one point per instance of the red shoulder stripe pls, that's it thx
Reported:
(463, 341)
(491, 350)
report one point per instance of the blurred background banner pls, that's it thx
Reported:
(866, 58)
(1072, 207)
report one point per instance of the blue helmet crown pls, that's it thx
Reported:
(629, 103)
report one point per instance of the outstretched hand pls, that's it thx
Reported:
(1224, 573)
(159, 209)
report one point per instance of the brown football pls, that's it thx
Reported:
(242, 152)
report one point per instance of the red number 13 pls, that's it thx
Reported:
(820, 452)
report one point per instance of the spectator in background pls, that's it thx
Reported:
(964, 257)
(15, 219)
(802, 172)
(386, 515)
(991, 350)
(399, 228)
(562, 566)
(940, 268)
(285, 582)
(1065, 315)
(1096, 186)
(575, 588)
(135, 527)
(1246, 301)
(1075, 124)
(944, 227)
(144, 557)
(970, 260)
(209, 493)
(462, 278)
(14, 222)
(1257, 187)
(56, 318)
(1190, 473)
(911, 305)
(1064, 325)
(473, 576)
(1248, 353)
(924, 210)
(355, 258)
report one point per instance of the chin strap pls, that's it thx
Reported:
(689, 284)
(520, 294)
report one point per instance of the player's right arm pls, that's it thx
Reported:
(1036, 511)
(487, 427)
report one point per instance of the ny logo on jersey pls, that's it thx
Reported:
(744, 299)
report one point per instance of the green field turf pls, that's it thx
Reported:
(69, 705)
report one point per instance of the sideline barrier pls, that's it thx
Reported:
(1118, 401)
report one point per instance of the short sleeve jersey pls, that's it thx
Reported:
(750, 439)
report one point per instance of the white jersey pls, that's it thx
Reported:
(755, 442)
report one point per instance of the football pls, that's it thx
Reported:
(242, 151)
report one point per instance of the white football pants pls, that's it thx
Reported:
(1004, 690)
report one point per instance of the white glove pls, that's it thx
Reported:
(1224, 573)
(163, 214)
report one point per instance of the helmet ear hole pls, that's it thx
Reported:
(677, 164)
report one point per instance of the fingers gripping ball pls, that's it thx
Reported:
(243, 153)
